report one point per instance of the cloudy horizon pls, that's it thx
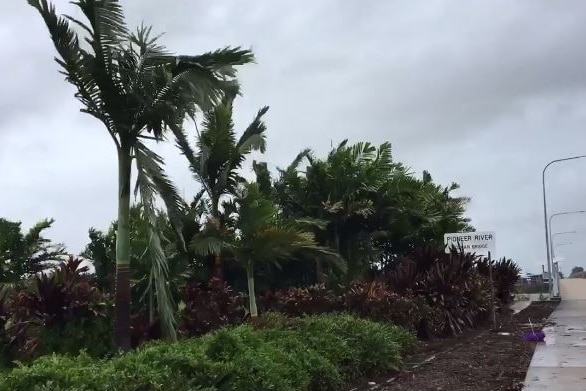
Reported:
(480, 93)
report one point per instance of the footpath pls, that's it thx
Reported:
(560, 362)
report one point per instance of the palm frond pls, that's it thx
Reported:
(108, 29)
(326, 255)
(304, 154)
(158, 260)
(74, 61)
(204, 244)
(384, 159)
(183, 145)
(311, 223)
(255, 211)
(254, 137)
(151, 166)
(362, 152)
(274, 242)
(148, 44)
(34, 234)
(221, 62)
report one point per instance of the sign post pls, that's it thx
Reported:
(493, 313)
(479, 243)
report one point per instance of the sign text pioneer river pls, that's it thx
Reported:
(480, 243)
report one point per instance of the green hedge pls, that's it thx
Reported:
(314, 353)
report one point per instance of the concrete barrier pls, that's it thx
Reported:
(573, 289)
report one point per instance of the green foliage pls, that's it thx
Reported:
(181, 267)
(257, 235)
(138, 91)
(313, 300)
(360, 347)
(207, 308)
(220, 153)
(316, 353)
(455, 284)
(24, 254)
(61, 312)
(375, 210)
(369, 300)
(376, 301)
(505, 275)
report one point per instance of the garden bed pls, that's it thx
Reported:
(319, 353)
(477, 360)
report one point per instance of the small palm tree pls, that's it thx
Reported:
(137, 90)
(258, 235)
(221, 154)
(23, 255)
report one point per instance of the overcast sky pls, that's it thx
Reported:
(483, 93)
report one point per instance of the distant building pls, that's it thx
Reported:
(533, 279)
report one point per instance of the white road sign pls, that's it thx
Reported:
(480, 243)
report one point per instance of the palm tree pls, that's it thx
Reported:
(221, 154)
(22, 255)
(258, 235)
(446, 212)
(138, 90)
(341, 190)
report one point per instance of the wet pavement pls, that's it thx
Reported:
(559, 363)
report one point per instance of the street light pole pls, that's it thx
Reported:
(547, 238)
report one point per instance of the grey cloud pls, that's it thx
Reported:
(482, 93)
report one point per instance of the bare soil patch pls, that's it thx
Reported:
(477, 360)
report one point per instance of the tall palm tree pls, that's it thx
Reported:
(220, 154)
(259, 235)
(138, 90)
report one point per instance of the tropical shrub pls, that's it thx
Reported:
(62, 312)
(312, 300)
(449, 283)
(369, 300)
(312, 353)
(505, 275)
(376, 301)
(361, 347)
(446, 286)
(210, 307)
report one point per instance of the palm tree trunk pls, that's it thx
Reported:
(151, 304)
(122, 293)
(319, 271)
(251, 294)
(218, 271)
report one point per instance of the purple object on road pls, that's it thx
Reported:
(538, 336)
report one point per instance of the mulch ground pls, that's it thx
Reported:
(477, 360)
